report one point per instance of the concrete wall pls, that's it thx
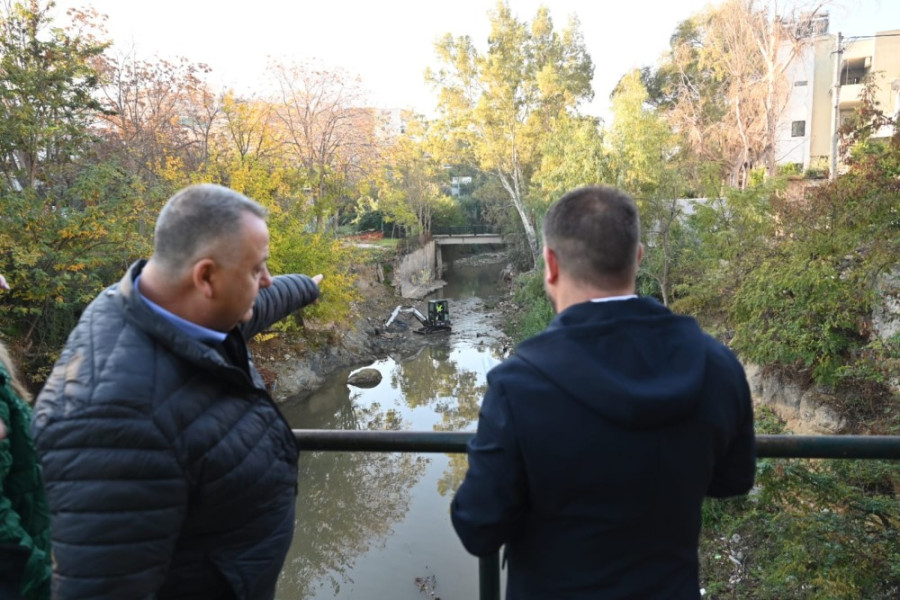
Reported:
(418, 273)
(887, 64)
(822, 108)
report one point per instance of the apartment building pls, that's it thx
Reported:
(804, 130)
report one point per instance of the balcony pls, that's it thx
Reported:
(851, 95)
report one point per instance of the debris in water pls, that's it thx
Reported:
(427, 586)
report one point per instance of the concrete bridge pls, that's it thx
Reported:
(417, 271)
(473, 234)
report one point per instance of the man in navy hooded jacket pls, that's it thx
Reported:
(599, 438)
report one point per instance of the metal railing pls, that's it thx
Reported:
(767, 446)
(466, 230)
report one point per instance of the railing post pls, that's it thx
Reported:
(489, 577)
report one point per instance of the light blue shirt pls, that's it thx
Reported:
(197, 332)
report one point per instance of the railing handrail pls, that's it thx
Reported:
(767, 446)
(465, 230)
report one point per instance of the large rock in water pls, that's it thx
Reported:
(365, 378)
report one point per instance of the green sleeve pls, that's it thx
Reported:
(15, 415)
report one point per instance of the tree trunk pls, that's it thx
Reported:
(530, 234)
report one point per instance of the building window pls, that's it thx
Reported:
(800, 84)
(798, 128)
(855, 70)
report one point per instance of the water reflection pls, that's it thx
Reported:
(372, 489)
(434, 379)
(465, 281)
(369, 525)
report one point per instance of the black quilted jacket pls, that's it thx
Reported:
(169, 472)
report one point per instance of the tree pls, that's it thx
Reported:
(326, 130)
(573, 154)
(47, 85)
(641, 145)
(642, 152)
(410, 180)
(808, 305)
(500, 103)
(157, 111)
(723, 84)
(729, 236)
(59, 258)
(249, 131)
(68, 219)
(270, 178)
(688, 92)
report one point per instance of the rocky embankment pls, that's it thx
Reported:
(293, 365)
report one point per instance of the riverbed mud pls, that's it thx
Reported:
(294, 365)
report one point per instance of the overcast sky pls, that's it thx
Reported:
(389, 43)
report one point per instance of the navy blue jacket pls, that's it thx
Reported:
(170, 473)
(596, 444)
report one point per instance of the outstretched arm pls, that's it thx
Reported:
(287, 294)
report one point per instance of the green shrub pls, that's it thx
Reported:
(534, 309)
(790, 169)
(810, 529)
(799, 312)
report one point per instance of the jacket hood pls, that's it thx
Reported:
(631, 361)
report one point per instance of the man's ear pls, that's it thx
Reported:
(202, 275)
(640, 254)
(551, 266)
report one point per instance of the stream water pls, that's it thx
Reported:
(377, 525)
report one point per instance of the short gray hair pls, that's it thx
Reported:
(196, 218)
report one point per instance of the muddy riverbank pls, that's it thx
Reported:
(295, 365)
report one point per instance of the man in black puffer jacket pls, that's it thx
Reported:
(170, 471)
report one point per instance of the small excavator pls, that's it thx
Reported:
(437, 321)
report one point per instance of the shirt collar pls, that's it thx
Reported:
(614, 298)
(197, 332)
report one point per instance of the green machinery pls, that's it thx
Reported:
(438, 319)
